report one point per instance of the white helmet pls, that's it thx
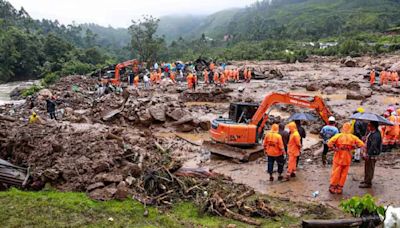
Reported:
(332, 119)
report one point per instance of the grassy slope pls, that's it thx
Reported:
(56, 209)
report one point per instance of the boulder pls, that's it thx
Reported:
(351, 95)
(122, 191)
(145, 118)
(312, 87)
(329, 90)
(95, 186)
(158, 113)
(350, 62)
(366, 93)
(176, 114)
(45, 93)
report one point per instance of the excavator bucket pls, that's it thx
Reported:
(234, 153)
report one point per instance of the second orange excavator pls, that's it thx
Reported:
(245, 126)
(116, 79)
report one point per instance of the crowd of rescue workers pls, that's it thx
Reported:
(357, 139)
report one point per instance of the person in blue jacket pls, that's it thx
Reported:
(327, 132)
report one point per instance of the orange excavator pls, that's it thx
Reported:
(116, 80)
(240, 135)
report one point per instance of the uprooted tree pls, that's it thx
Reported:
(144, 42)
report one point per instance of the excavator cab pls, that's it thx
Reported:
(242, 112)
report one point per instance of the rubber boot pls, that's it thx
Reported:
(280, 177)
(332, 189)
(339, 189)
(271, 178)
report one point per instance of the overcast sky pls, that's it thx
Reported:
(118, 13)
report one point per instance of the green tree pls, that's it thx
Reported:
(144, 40)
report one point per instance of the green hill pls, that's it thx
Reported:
(294, 19)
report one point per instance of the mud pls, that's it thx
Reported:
(130, 144)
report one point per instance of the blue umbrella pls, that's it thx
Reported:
(302, 116)
(366, 116)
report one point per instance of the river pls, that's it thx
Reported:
(6, 88)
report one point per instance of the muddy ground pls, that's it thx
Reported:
(117, 145)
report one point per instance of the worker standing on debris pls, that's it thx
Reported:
(146, 81)
(374, 149)
(172, 76)
(136, 82)
(245, 73)
(237, 74)
(395, 78)
(222, 79)
(390, 133)
(303, 135)
(381, 77)
(372, 77)
(51, 107)
(249, 73)
(189, 80)
(294, 147)
(33, 118)
(194, 80)
(327, 132)
(274, 149)
(360, 130)
(216, 78)
(206, 79)
(285, 136)
(342, 143)
(212, 66)
(158, 78)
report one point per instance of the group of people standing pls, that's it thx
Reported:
(356, 139)
(278, 143)
(385, 77)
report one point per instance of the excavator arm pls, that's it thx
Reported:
(119, 66)
(312, 102)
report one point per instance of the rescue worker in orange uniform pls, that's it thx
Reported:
(212, 66)
(372, 77)
(294, 147)
(231, 75)
(395, 78)
(206, 79)
(136, 81)
(237, 75)
(391, 133)
(216, 77)
(248, 76)
(158, 78)
(245, 74)
(222, 79)
(172, 76)
(189, 80)
(153, 77)
(274, 149)
(381, 77)
(342, 143)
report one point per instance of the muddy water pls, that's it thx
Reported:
(5, 90)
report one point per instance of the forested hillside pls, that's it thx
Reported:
(295, 19)
(42, 48)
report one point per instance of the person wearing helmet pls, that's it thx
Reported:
(360, 130)
(274, 149)
(326, 133)
(342, 143)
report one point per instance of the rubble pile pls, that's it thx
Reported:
(117, 163)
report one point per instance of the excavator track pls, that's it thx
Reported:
(235, 153)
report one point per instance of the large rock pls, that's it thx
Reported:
(122, 191)
(329, 90)
(312, 87)
(177, 114)
(350, 62)
(145, 118)
(108, 178)
(158, 113)
(351, 95)
(366, 93)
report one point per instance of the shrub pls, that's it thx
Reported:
(31, 90)
(362, 206)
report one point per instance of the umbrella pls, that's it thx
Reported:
(302, 116)
(371, 117)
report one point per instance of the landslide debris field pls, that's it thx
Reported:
(147, 144)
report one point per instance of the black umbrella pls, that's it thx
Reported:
(302, 116)
(366, 116)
